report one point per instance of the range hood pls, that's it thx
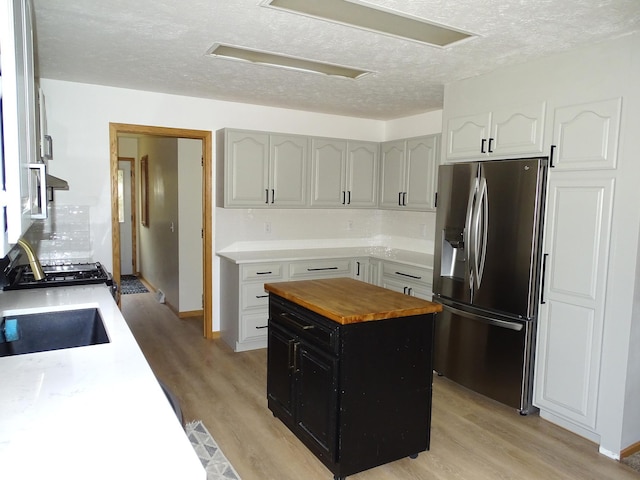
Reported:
(56, 183)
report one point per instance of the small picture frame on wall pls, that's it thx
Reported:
(144, 191)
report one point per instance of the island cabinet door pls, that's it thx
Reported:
(280, 373)
(317, 398)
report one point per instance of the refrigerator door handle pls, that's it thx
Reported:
(468, 236)
(480, 231)
(489, 320)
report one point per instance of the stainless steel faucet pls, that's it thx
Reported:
(36, 268)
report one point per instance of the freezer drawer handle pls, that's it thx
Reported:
(491, 321)
(410, 276)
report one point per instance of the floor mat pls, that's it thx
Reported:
(212, 458)
(131, 284)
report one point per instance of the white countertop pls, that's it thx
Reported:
(93, 412)
(408, 257)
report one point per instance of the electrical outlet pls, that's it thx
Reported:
(267, 227)
(349, 224)
(423, 229)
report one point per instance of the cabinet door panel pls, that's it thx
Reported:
(289, 159)
(570, 361)
(586, 136)
(421, 167)
(518, 132)
(279, 372)
(317, 397)
(465, 135)
(254, 296)
(328, 158)
(571, 319)
(247, 160)
(253, 326)
(362, 174)
(391, 173)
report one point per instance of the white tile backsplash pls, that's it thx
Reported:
(63, 236)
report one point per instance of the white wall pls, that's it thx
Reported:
(158, 241)
(190, 225)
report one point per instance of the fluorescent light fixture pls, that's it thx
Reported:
(283, 61)
(377, 19)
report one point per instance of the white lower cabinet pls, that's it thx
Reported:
(408, 279)
(571, 316)
(244, 305)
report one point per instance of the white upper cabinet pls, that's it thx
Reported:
(408, 170)
(362, 174)
(289, 162)
(500, 133)
(344, 173)
(585, 136)
(20, 198)
(264, 170)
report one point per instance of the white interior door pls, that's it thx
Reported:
(126, 232)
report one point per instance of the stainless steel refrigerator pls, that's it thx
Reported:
(487, 269)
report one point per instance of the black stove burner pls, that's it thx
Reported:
(21, 276)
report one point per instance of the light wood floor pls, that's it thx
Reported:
(472, 437)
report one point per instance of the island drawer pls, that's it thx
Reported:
(304, 323)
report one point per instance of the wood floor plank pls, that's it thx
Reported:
(472, 438)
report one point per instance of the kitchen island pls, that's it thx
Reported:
(93, 412)
(349, 370)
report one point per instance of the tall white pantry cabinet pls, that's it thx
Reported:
(586, 118)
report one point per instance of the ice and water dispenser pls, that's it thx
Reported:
(453, 257)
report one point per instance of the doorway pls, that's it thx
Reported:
(127, 215)
(116, 129)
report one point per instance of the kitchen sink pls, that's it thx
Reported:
(41, 332)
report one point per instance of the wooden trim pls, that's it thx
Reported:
(207, 209)
(630, 450)
(190, 314)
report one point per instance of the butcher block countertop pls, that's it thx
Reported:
(346, 301)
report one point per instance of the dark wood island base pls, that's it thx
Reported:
(349, 370)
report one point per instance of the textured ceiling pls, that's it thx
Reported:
(161, 45)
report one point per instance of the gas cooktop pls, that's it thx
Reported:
(21, 276)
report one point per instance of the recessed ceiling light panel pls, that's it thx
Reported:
(377, 19)
(283, 61)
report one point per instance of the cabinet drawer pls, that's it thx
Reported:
(253, 326)
(321, 268)
(254, 296)
(260, 271)
(408, 273)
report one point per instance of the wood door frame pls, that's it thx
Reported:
(132, 201)
(207, 249)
